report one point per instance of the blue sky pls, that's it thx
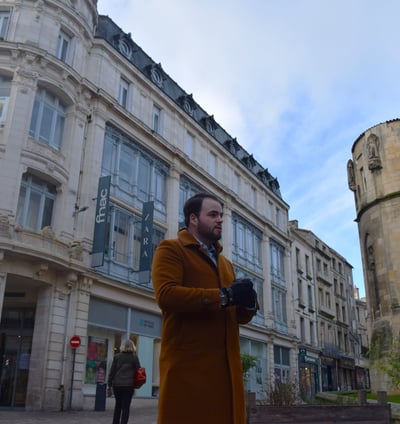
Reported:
(295, 81)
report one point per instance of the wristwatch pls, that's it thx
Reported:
(223, 298)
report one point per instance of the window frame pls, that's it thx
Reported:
(126, 184)
(5, 17)
(156, 120)
(44, 102)
(45, 192)
(64, 46)
(123, 92)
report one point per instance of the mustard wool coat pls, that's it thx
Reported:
(201, 378)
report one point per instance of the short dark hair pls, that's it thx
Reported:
(194, 204)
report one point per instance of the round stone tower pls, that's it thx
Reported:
(374, 177)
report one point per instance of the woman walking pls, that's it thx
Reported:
(121, 380)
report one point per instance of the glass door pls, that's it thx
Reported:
(14, 369)
(16, 329)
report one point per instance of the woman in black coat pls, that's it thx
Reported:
(121, 380)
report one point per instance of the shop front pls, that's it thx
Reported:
(329, 373)
(347, 375)
(308, 372)
(108, 324)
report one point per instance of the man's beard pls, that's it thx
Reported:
(208, 234)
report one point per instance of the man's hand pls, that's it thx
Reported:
(240, 293)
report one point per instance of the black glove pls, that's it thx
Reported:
(240, 293)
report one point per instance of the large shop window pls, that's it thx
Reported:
(35, 203)
(136, 175)
(48, 117)
(123, 244)
(257, 379)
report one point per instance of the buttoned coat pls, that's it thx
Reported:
(201, 379)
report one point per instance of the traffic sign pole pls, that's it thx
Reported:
(74, 342)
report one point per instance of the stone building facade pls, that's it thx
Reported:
(329, 317)
(374, 177)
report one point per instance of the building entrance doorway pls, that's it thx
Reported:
(16, 330)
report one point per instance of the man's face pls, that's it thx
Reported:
(207, 227)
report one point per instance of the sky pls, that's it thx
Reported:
(295, 81)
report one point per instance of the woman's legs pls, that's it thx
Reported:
(126, 399)
(118, 404)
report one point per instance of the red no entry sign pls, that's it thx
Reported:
(75, 342)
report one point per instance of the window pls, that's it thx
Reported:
(300, 291)
(136, 176)
(123, 92)
(189, 145)
(278, 218)
(235, 183)
(312, 337)
(4, 20)
(298, 265)
(270, 210)
(124, 243)
(253, 196)
(258, 287)
(212, 165)
(156, 119)
(35, 203)
(302, 330)
(281, 363)
(328, 300)
(308, 269)
(5, 88)
(187, 189)
(48, 117)
(63, 50)
(279, 309)
(321, 297)
(246, 240)
(310, 297)
(277, 263)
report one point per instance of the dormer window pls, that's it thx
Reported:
(188, 104)
(157, 75)
(210, 124)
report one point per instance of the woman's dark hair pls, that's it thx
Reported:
(194, 204)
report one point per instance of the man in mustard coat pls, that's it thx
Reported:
(202, 304)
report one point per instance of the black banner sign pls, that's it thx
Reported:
(100, 225)
(146, 247)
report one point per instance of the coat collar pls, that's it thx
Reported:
(187, 239)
